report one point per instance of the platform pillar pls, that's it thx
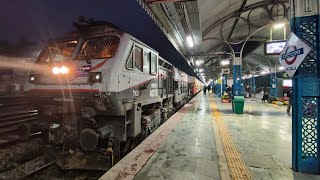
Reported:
(224, 83)
(306, 89)
(237, 77)
(253, 87)
(273, 82)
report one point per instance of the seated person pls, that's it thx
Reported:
(265, 97)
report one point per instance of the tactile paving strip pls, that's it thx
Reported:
(237, 167)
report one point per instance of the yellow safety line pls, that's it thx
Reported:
(237, 167)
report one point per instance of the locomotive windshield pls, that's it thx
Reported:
(99, 47)
(57, 51)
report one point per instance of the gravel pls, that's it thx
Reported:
(13, 156)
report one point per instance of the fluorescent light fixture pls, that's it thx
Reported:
(198, 62)
(278, 25)
(263, 72)
(200, 70)
(224, 62)
(281, 68)
(190, 41)
(250, 76)
(210, 80)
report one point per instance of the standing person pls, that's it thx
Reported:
(209, 88)
(205, 90)
(290, 101)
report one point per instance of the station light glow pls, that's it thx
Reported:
(199, 62)
(263, 72)
(278, 25)
(224, 62)
(210, 80)
(190, 41)
(200, 70)
(281, 68)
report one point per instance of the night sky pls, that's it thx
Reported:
(43, 19)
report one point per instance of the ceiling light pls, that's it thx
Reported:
(200, 70)
(190, 41)
(224, 62)
(281, 68)
(210, 80)
(263, 72)
(198, 62)
(278, 25)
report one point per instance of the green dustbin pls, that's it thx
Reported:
(238, 104)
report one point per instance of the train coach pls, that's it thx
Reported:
(99, 90)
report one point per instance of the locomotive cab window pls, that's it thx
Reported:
(130, 61)
(153, 64)
(57, 51)
(99, 47)
(138, 58)
(146, 62)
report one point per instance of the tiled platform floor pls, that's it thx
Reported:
(185, 146)
(189, 152)
(263, 135)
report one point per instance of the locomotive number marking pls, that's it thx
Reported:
(153, 93)
(63, 99)
(154, 86)
(136, 93)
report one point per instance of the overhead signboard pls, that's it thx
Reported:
(225, 71)
(274, 48)
(293, 54)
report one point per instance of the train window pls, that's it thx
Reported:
(99, 47)
(57, 51)
(130, 61)
(153, 69)
(138, 58)
(146, 61)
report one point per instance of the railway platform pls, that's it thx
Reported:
(206, 140)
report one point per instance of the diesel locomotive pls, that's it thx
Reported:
(98, 90)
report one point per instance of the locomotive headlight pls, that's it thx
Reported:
(34, 78)
(64, 70)
(61, 70)
(95, 77)
(55, 70)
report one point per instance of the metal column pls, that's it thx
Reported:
(273, 82)
(253, 84)
(224, 83)
(306, 89)
(237, 77)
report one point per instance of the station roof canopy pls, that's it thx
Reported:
(213, 24)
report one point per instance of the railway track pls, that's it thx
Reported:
(16, 118)
(38, 170)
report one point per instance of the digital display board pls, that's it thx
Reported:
(274, 48)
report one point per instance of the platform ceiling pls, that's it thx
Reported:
(212, 23)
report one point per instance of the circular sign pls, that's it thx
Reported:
(291, 60)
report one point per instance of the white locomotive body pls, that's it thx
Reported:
(99, 90)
